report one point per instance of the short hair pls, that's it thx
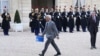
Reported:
(49, 16)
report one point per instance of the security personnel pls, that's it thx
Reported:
(83, 20)
(6, 22)
(64, 20)
(36, 21)
(57, 17)
(42, 19)
(52, 13)
(78, 21)
(31, 18)
(71, 20)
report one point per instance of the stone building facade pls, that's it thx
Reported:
(24, 6)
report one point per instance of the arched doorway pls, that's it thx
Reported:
(43, 3)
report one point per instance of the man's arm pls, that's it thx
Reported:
(55, 29)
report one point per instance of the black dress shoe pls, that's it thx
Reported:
(57, 54)
(41, 55)
(93, 47)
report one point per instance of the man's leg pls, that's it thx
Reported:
(92, 40)
(46, 46)
(56, 47)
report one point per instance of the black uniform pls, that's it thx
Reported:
(64, 21)
(83, 21)
(30, 24)
(6, 23)
(52, 15)
(43, 21)
(71, 21)
(78, 20)
(35, 23)
(57, 18)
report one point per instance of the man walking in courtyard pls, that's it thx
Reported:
(51, 33)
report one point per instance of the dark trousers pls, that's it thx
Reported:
(84, 28)
(78, 27)
(5, 31)
(36, 30)
(64, 28)
(32, 30)
(93, 38)
(48, 43)
(71, 29)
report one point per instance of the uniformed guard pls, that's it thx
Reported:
(57, 19)
(71, 21)
(78, 20)
(83, 20)
(52, 13)
(36, 21)
(31, 18)
(64, 20)
(42, 19)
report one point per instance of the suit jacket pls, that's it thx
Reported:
(5, 21)
(50, 30)
(92, 25)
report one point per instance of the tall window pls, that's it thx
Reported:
(78, 3)
(4, 4)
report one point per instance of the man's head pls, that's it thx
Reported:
(48, 17)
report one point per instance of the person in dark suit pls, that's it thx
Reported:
(93, 23)
(51, 33)
(42, 19)
(6, 22)
(71, 20)
(83, 20)
(64, 20)
(31, 20)
(52, 13)
(35, 21)
(57, 17)
(78, 20)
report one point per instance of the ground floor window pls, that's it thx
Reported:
(4, 4)
(79, 3)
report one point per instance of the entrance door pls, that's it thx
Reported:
(43, 3)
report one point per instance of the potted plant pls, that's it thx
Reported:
(17, 22)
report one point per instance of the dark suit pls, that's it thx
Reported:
(57, 18)
(83, 21)
(6, 23)
(35, 23)
(64, 21)
(93, 29)
(78, 21)
(51, 32)
(71, 21)
(31, 22)
(43, 21)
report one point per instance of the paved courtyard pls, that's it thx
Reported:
(70, 44)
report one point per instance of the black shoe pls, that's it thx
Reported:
(93, 47)
(57, 54)
(41, 55)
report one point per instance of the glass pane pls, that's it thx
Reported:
(3, 5)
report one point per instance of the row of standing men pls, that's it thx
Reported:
(63, 20)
